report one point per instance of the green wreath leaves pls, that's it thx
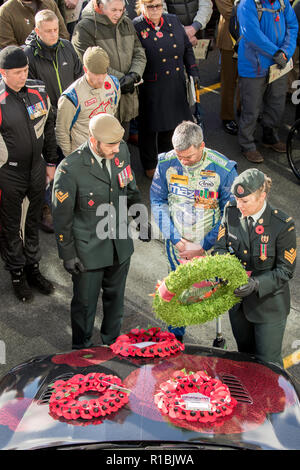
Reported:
(226, 267)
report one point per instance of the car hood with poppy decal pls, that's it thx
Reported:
(266, 416)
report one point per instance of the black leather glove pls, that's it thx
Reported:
(127, 82)
(280, 59)
(145, 233)
(247, 289)
(74, 266)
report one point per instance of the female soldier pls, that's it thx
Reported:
(264, 240)
(163, 96)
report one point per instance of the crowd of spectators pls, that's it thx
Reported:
(135, 60)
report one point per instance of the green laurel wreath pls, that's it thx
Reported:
(227, 267)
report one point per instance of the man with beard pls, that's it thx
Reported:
(91, 188)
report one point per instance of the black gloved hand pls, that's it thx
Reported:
(280, 59)
(145, 233)
(127, 82)
(247, 289)
(74, 266)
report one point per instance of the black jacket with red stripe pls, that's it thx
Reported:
(26, 126)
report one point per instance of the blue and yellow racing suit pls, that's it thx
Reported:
(188, 201)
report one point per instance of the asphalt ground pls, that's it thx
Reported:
(43, 327)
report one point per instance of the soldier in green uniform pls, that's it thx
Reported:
(93, 189)
(264, 240)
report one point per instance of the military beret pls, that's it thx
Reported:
(13, 57)
(106, 128)
(247, 182)
(96, 60)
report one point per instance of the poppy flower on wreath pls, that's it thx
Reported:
(194, 397)
(107, 85)
(64, 401)
(84, 357)
(259, 229)
(256, 380)
(147, 343)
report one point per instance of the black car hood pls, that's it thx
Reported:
(267, 415)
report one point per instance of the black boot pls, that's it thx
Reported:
(20, 285)
(37, 280)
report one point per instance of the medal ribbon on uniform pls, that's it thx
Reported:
(125, 176)
(263, 251)
(206, 194)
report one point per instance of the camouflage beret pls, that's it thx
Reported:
(247, 182)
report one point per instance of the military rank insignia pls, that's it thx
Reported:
(61, 196)
(221, 232)
(290, 255)
(125, 176)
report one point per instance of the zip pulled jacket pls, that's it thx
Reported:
(26, 127)
(56, 66)
(262, 39)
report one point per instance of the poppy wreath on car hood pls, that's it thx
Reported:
(147, 343)
(64, 401)
(194, 396)
(224, 273)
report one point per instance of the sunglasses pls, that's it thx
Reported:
(152, 7)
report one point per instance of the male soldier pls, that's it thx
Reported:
(26, 132)
(95, 249)
(264, 240)
(188, 194)
(93, 93)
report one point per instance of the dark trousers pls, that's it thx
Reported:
(229, 87)
(20, 249)
(257, 96)
(86, 291)
(151, 144)
(264, 340)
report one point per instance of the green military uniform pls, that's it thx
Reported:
(83, 193)
(269, 253)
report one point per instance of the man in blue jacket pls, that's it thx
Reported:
(264, 41)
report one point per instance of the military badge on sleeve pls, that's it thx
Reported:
(61, 196)
(290, 255)
(221, 232)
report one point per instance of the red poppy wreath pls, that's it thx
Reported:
(147, 343)
(194, 396)
(64, 401)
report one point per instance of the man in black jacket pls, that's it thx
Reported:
(51, 59)
(55, 62)
(26, 132)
